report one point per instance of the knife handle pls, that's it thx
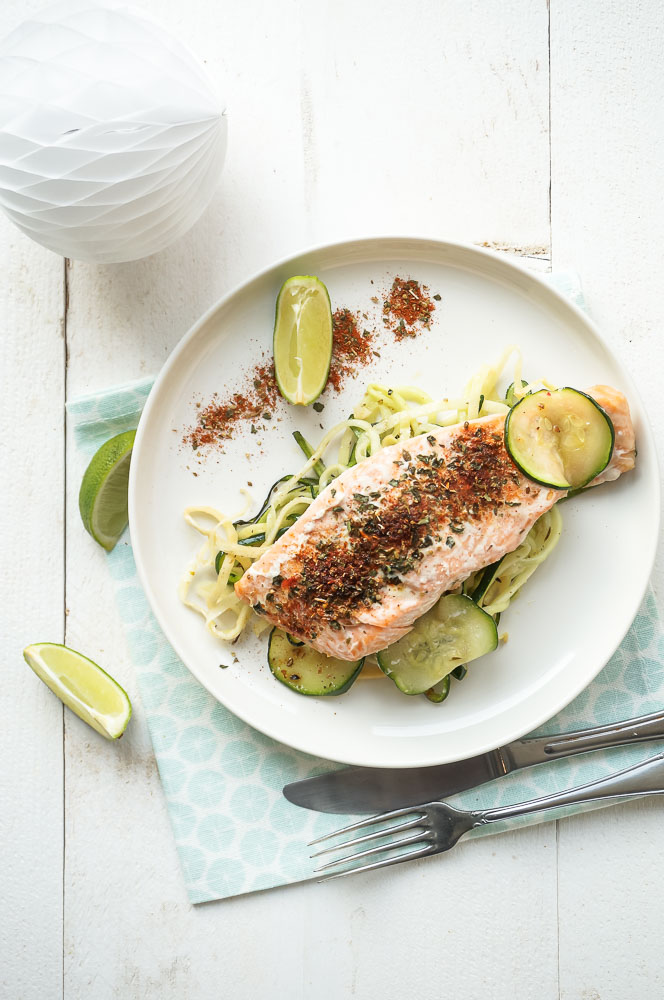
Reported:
(646, 778)
(537, 750)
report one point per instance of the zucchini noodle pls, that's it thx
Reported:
(516, 567)
(385, 415)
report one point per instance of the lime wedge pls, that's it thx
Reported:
(82, 685)
(302, 339)
(102, 499)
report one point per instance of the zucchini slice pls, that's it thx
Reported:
(307, 671)
(347, 446)
(453, 632)
(439, 691)
(502, 581)
(308, 450)
(254, 540)
(266, 503)
(560, 438)
(305, 487)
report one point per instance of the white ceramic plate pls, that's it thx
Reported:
(569, 619)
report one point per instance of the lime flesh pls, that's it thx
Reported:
(302, 339)
(102, 499)
(82, 686)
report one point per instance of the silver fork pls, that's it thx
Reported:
(438, 826)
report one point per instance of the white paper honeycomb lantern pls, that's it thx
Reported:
(111, 138)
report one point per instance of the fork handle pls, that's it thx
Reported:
(536, 750)
(646, 778)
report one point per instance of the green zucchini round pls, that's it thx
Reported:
(453, 632)
(560, 438)
(306, 671)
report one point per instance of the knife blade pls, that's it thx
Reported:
(370, 789)
(358, 790)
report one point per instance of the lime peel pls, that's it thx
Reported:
(102, 499)
(82, 685)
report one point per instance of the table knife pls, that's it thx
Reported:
(370, 789)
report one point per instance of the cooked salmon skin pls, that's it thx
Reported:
(382, 542)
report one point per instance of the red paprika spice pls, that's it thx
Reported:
(407, 309)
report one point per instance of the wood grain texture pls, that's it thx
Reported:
(611, 883)
(607, 142)
(607, 152)
(32, 391)
(429, 118)
(440, 928)
(32, 372)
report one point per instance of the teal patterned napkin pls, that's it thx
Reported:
(222, 780)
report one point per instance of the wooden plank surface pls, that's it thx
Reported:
(344, 119)
(32, 392)
(32, 373)
(607, 142)
(430, 118)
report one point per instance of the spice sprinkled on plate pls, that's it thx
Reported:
(407, 312)
(218, 419)
(351, 349)
(407, 309)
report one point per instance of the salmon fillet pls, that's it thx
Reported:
(382, 542)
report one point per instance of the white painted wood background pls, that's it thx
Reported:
(540, 130)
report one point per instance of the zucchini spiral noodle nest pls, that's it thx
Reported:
(383, 417)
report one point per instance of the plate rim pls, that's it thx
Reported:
(409, 242)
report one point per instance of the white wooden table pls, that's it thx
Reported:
(538, 130)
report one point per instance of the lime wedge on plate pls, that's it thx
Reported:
(102, 499)
(302, 339)
(82, 685)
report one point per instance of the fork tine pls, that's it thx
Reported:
(369, 822)
(409, 856)
(369, 836)
(415, 839)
